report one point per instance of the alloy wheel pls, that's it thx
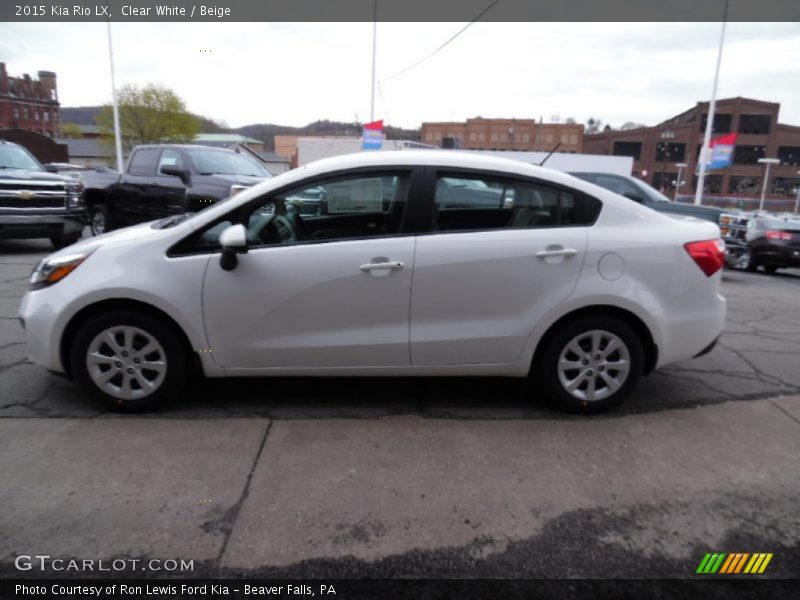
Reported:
(594, 365)
(98, 223)
(126, 362)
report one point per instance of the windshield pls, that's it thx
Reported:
(14, 157)
(225, 163)
(651, 193)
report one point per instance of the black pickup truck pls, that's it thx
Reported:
(167, 179)
(35, 203)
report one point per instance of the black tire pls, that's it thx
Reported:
(63, 242)
(100, 219)
(546, 374)
(770, 269)
(163, 332)
(750, 264)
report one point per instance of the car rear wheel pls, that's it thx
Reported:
(590, 364)
(129, 360)
(770, 269)
(100, 220)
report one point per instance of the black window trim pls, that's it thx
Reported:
(414, 172)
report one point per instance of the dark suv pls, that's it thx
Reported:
(35, 203)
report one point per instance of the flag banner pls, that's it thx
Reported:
(372, 138)
(720, 152)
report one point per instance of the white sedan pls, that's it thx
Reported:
(540, 275)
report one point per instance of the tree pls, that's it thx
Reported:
(593, 125)
(631, 125)
(153, 114)
(71, 131)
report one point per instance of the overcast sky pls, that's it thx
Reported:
(292, 74)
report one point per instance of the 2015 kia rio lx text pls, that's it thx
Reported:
(412, 263)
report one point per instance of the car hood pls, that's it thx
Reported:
(23, 175)
(240, 179)
(128, 234)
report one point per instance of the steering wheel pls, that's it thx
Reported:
(257, 231)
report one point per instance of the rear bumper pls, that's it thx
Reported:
(691, 325)
(788, 256)
(42, 224)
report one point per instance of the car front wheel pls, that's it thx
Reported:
(129, 360)
(100, 220)
(748, 261)
(590, 364)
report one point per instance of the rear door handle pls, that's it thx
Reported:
(559, 252)
(392, 265)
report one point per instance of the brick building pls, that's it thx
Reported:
(504, 134)
(29, 104)
(657, 150)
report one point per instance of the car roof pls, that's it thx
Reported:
(442, 159)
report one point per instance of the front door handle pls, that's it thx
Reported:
(392, 265)
(558, 252)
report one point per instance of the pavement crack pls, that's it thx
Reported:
(233, 513)
(783, 410)
(764, 377)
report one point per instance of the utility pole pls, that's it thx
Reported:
(374, 46)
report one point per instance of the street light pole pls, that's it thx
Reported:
(681, 167)
(767, 162)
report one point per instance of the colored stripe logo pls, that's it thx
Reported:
(734, 563)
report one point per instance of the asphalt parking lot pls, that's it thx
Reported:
(412, 477)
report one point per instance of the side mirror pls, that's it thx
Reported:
(51, 168)
(176, 171)
(634, 196)
(233, 241)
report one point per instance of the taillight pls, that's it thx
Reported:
(774, 234)
(708, 254)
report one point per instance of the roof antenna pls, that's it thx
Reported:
(544, 160)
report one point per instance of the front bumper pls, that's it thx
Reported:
(42, 224)
(38, 315)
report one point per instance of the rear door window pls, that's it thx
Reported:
(468, 203)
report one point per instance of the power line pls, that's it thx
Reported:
(462, 30)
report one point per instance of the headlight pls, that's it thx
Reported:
(52, 270)
(74, 195)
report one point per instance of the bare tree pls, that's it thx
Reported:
(593, 125)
